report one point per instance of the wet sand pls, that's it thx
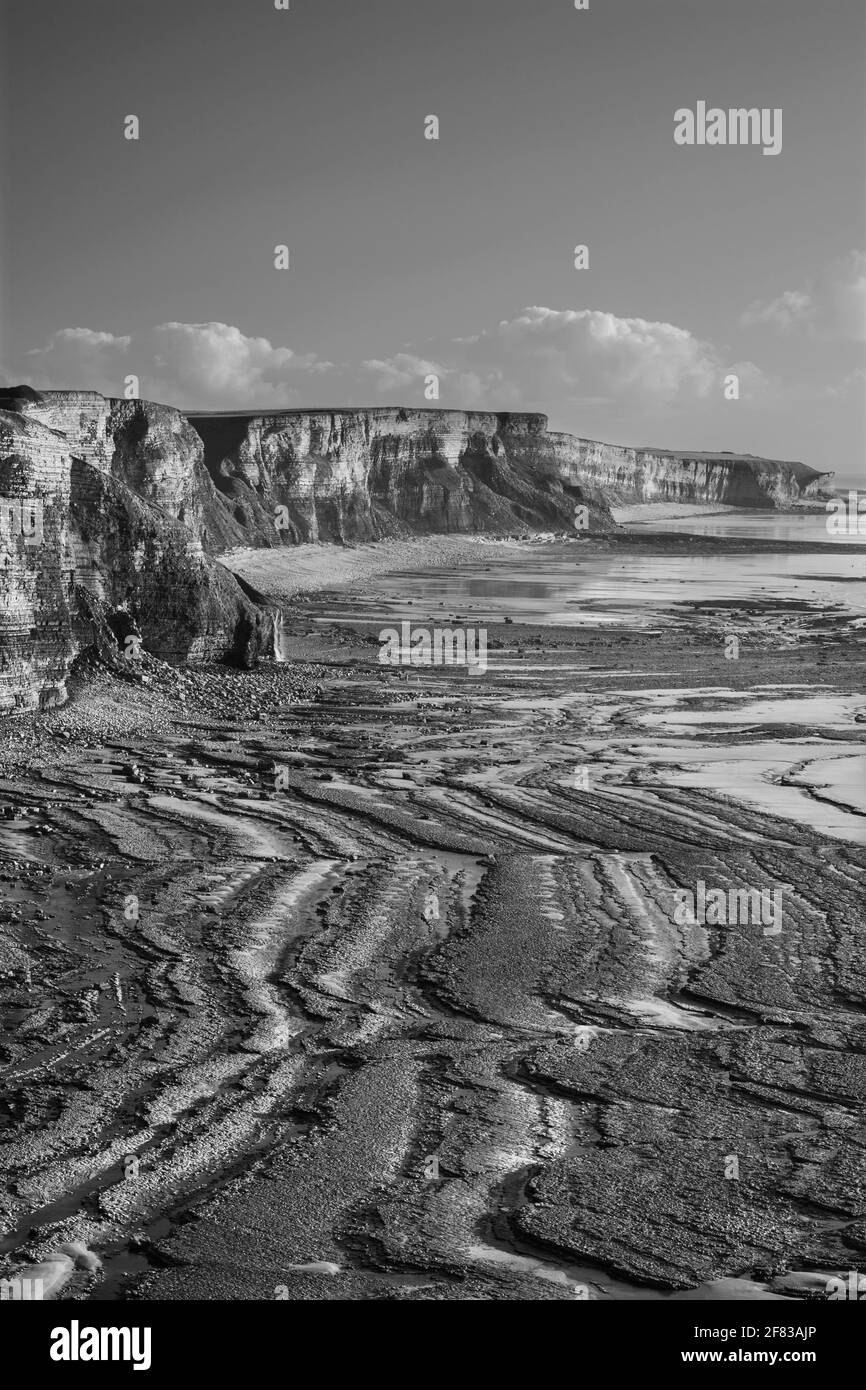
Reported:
(343, 981)
(285, 572)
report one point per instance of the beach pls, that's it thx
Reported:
(377, 972)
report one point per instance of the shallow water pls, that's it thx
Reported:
(761, 525)
(564, 586)
(789, 750)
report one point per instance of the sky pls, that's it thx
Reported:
(411, 257)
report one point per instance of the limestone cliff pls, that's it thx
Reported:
(88, 559)
(362, 474)
(654, 475)
(352, 474)
(134, 500)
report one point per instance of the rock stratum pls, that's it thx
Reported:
(362, 995)
(135, 499)
(364, 474)
(101, 547)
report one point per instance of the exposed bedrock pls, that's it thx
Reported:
(350, 474)
(364, 474)
(89, 560)
(651, 475)
(116, 506)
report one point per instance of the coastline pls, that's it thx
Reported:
(388, 915)
(638, 513)
(285, 572)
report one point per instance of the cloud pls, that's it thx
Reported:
(188, 364)
(539, 359)
(400, 370)
(79, 358)
(587, 352)
(753, 382)
(210, 363)
(852, 384)
(579, 355)
(832, 304)
(789, 309)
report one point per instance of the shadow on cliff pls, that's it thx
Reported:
(356, 475)
(132, 558)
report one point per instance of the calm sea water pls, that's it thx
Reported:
(760, 525)
(687, 739)
(571, 586)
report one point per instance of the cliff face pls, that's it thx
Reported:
(89, 560)
(651, 475)
(363, 474)
(135, 498)
(358, 474)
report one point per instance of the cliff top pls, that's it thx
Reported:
(20, 398)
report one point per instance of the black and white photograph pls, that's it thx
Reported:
(432, 636)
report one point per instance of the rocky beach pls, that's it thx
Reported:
(328, 979)
(432, 705)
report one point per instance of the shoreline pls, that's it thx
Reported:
(643, 513)
(284, 573)
(384, 915)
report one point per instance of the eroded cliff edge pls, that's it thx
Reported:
(135, 500)
(349, 474)
(100, 547)
(363, 474)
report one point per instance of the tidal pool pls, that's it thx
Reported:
(568, 586)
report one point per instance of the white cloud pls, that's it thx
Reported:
(403, 369)
(187, 364)
(216, 364)
(78, 358)
(579, 355)
(753, 382)
(540, 359)
(832, 304)
(789, 309)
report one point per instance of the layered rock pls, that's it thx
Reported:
(80, 416)
(653, 475)
(86, 560)
(134, 498)
(362, 474)
(35, 563)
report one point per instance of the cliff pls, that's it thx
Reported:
(654, 475)
(96, 552)
(364, 474)
(134, 500)
(360, 474)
